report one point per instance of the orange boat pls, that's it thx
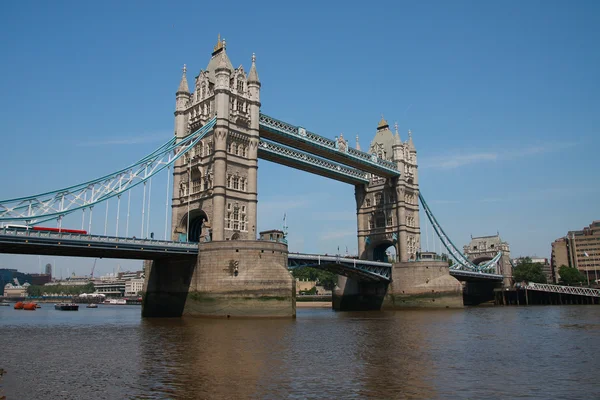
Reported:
(19, 305)
(30, 306)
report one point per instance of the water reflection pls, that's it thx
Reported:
(110, 353)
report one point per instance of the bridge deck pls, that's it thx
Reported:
(581, 291)
(67, 244)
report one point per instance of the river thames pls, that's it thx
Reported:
(475, 353)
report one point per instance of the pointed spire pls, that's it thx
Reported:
(357, 144)
(219, 46)
(183, 85)
(411, 145)
(397, 137)
(253, 75)
(382, 123)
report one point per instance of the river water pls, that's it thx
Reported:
(477, 353)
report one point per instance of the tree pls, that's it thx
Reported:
(570, 276)
(527, 271)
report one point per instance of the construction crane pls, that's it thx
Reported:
(93, 266)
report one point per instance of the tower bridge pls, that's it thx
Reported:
(210, 261)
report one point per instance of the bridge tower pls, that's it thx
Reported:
(215, 184)
(214, 203)
(388, 209)
(484, 248)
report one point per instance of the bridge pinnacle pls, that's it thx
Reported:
(397, 139)
(253, 75)
(382, 123)
(357, 144)
(183, 84)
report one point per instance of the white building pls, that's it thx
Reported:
(134, 286)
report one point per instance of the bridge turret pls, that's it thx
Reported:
(397, 147)
(253, 132)
(182, 100)
(223, 73)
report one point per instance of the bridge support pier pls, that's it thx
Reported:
(166, 286)
(423, 284)
(475, 293)
(354, 295)
(245, 278)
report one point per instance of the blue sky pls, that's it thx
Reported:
(502, 97)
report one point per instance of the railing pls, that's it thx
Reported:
(93, 238)
(337, 259)
(581, 291)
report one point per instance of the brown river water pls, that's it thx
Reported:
(543, 352)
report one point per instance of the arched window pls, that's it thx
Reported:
(240, 84)
(203, 90)
(245, 154)
(232, 148)
(236, 182)
(380, 220)
(228, 181)
(378, 199)
(243, 185)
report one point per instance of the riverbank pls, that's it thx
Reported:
(313, 304)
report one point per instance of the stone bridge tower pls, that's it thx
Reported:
(388, 209)
(215, 184)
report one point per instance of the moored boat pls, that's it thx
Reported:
(29, 306)
(92, 305)
(66, 307)
(4, 304)
(19, 305)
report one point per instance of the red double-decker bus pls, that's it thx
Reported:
(45, 228)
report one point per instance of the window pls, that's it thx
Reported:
(236, 182)
(378, 199)
(368, 202)
(380, 220)
(196, 185)
(240, 84)
(240, 106)
(371, 224)
(389, 221)
(243, 185)
(245, 152)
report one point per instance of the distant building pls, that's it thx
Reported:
(273, 235)
(547, 268)
(304, 285)
(49, 269)
(579, 249)
(40, 279)
(134, 286)
(16, 290)
(484, 248)
(7, 275)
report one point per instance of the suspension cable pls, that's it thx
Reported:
(148, 215)
(106, 218)
(128, 206)
(167, 200)
(143, 210)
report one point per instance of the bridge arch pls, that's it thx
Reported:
(196, 221)
(482, 259)
(379, 251)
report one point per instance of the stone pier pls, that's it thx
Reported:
(423, 284)
(243, 278)
(246, 278)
